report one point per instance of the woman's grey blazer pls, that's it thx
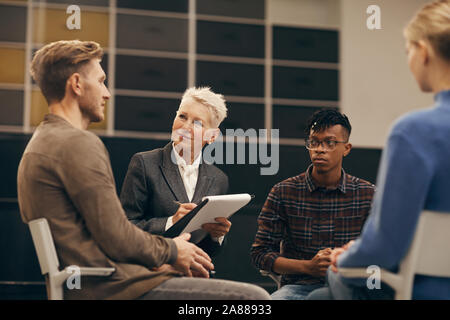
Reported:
(152, 185)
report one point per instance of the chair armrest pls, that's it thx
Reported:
(264, 273)
(275, 277)
(353, 272)
(101, 272)
(61, 276)
(392, 279)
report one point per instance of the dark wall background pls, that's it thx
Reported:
(18, 259)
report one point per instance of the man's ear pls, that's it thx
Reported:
(348, 148)
(74, 83)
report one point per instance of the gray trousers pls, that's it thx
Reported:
(185, 288)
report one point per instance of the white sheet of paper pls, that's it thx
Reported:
(217, 206)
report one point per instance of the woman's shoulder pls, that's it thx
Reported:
(414, 122)
(150, 155)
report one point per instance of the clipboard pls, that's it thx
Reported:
(206, 211)
(178, 227)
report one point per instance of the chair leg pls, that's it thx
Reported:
(47, 286)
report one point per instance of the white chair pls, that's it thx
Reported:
(48, 260)
(428, 255)
(275, 277)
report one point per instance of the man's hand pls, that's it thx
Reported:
(336, 253)
(169, 268)
(191, 260)
(183, 209)
(219, 229)
(165, 268)
(319, 264)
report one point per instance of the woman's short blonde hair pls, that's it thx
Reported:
(54, 63)
(432, 23)
(213, 101)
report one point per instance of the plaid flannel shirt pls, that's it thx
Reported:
(304, 219)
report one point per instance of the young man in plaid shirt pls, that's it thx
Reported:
(306, 216)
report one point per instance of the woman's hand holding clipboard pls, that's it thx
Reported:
(207, 211)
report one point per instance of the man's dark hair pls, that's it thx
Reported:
(326, 118)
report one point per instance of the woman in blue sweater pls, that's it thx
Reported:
(414, 173)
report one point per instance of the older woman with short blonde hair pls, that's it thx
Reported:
(163, 185)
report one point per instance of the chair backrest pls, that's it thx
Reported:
(429, 254)
(44, 245)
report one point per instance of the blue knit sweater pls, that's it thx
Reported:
(414, 174)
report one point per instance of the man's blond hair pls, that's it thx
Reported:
(54, 63)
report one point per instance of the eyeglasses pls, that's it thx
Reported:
(329, 145)
(183, 117)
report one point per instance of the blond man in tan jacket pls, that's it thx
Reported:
(65, 176)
